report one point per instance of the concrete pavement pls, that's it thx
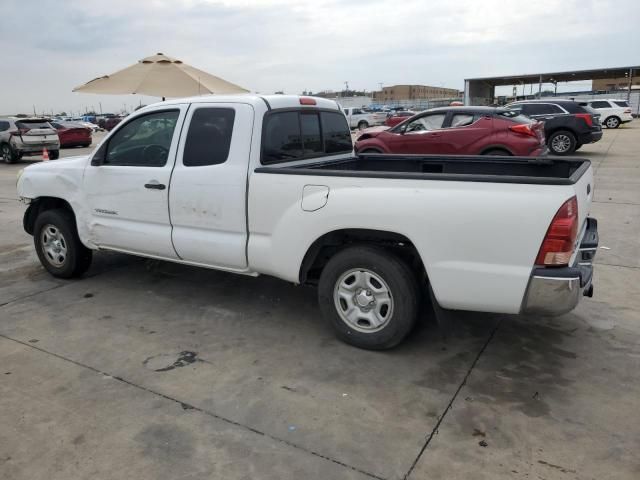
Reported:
(152, 370)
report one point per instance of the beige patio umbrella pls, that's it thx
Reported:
(160, 76)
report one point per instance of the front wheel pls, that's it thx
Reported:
(612, 122)
(370, 297)
(54, 154)
(58, 246)
(562, 142)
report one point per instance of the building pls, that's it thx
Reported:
(608, 84)
(396, 93)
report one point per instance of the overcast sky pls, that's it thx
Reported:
(49, 46)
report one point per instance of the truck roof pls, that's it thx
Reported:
(272, 101)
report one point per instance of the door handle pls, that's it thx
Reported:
(155, 186)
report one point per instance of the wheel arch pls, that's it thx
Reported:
(490, 148)
(324, 247)
(39, 205)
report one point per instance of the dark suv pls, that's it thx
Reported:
(567, 124)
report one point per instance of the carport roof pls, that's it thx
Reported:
(569, 76)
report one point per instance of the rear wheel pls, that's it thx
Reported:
(370, 297)
(370, 150)
(578, 146)
(54, 154)
(612, 122)
(497, 152)
(8, 155)
(58, 246)
(562, 142)
(362, 125)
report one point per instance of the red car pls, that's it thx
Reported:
(72, 134)
(458, 131)
(398, 117)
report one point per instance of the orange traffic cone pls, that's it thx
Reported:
(45, 155)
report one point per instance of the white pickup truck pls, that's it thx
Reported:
(360, 119)
(269, 185)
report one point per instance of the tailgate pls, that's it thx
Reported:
(39, 136)
(584, 193)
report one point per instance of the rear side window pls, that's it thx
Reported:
(209, 137)
(461, 119)
(600, 104)
(622, 103)
(336, 133)
(515, 116)
(540, 109)
(293, 135)
(4, 125)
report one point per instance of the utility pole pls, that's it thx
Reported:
(34, 111)
(100, 103)
(630, 83)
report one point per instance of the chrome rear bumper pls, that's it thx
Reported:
(554, 291)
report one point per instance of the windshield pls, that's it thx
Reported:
(32, 124)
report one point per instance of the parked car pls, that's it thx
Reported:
(27, 136)
(72, 134)
(567, 124)
(613, 112)
(394, 119)
(289, 199)
(458, 131)
(360, 119)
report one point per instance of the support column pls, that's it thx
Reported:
(540, 87)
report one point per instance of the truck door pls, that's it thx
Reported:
(208, 194)
(126, 184)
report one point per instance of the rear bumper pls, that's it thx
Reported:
(554, 291)
(590, 137)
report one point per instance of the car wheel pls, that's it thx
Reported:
(58, 246)
(369, 296)
(498, 152)
(54, 154)
(86, 145)
(362, 125)
(8, 154)
(562, 142)
(612, 122)
(369, 150)
(578, 146)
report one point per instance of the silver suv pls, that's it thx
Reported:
(27, 136)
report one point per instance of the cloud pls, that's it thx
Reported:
(300, 45)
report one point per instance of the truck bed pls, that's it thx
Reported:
(529, 170)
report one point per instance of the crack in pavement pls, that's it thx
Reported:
(450, 405)
(188, 406)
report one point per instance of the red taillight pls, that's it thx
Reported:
(586, 117)
(307, 101)
(628, 110)
(557, 246)
(524, 129)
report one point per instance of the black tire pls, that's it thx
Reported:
(562, 142)
(369, 150)
(612, 122)
(86, 145)
(362, 124)
(497, 152)
(397, 278)
(54, 154)
(7, 153)
(77, 257)
(578, 146)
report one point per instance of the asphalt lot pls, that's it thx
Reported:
(152, 370)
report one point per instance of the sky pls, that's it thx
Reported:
(293, 46)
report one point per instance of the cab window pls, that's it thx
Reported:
(426, 123)
(144, 141)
